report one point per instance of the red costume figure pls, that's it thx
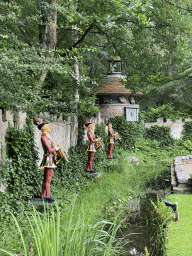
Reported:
(48, 158)
(111, 139)
(91, 148)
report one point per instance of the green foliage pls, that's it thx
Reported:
(80, 221)
(54, 233)
(160, 216)
(188, 145)
(161, 134)
(101, 29)
(187, 131)
(115, 207)
(158, 182)
(71, 175)
(22, 151)
(100, 131)
(146, 148)
(171, 88)
(20, 172)
(165, 112)
(128, 131)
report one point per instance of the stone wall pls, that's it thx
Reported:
(176, 126)
(64, 133)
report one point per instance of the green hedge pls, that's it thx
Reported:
(187, 131)
(23, 177)
(128, 131)
(71, 175)
(165, 112)
(160, 133)
(20, 173)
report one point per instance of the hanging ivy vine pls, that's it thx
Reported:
(20, 173)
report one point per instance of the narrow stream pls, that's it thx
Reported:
(137, 233)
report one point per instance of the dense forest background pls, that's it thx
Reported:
(53, 52)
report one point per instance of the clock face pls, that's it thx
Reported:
(131, 114)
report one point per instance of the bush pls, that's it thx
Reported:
(23, 176)
(159, 133)
(72, 175)
(128, 131)
(165, 112)
(160, 216)
(20, 173)
(187, 131)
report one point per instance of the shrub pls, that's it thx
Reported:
(23, 176)
(187, 131)
(159, 133)
(160, 216)
(20, 173)
(128, 131)
(165, 112)
(72, 175)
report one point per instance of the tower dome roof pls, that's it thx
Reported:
(112, 84)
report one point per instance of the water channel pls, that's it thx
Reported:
(137, 234)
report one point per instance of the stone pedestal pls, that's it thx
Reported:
(181, 171)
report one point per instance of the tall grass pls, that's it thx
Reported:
(57, 234)
(160, 216)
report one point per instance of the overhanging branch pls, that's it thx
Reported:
(179, 7)
(81, 39)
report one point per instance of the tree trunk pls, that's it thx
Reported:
(49, 38)
(75, 64)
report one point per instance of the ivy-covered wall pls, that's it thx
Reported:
(7, 118)
(64, 132)
(176, 126)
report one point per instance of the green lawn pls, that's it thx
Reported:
(180, 232)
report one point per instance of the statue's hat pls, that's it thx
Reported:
(86, 123)
(38, 123)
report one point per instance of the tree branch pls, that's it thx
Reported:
(81, 39)
(158, 26)
(26, 35)
(109, 39)
(177, 6)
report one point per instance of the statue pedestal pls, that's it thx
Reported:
(97, 174)
(38, 203)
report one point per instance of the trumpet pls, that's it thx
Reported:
(99, 143)
(117, 137)
(61, 154)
